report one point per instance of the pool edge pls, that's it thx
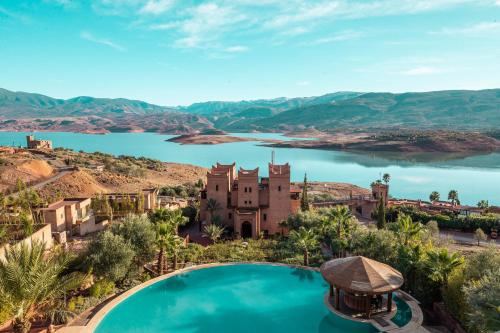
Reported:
(99, 316)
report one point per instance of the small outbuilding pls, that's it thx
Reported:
(360, 283)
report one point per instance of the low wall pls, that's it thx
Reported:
(90, 226)
(42, 235)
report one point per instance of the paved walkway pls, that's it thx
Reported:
(466, 237)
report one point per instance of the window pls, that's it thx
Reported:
(250, 202)
(246, 190)
(216, 187)
(250, 189)
(230, 215)
(245, 202)
(265, 217)
(279, 188)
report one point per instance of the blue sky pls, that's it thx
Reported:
(174, 52)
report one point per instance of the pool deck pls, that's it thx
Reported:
(92, 317)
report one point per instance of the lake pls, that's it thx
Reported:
(475, 178)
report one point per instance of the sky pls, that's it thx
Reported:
(177, 52)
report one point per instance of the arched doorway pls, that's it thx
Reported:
(246, 230)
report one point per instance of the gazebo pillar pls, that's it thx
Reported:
(331, 290)
(389, 302)
(368, 305)
(337, 298)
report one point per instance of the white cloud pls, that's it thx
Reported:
(236, 49)
(296, 31)
(301, 11)
(422, 70)
(91, 38)
(205, 24)
(164, 26)
(157, 7)
(303, 83)
(478, 28)
(339, 37)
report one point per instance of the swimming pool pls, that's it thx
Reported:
(244, 298)
(403, 315)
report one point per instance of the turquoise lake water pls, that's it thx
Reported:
(231, 299)
(475, 178)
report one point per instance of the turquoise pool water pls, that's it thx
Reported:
(243, 298)
(403, 315)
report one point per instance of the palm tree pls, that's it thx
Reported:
(305, 240)
(407, 229)
(434, 196)
(484, 205)
(386, 178)
(176, 219)
(164, 235)
(340, 220)
(453, 197)
(174, 244)
(32, 282)
(159, 215)
(212, 207)
(213, 232)
(441, 264)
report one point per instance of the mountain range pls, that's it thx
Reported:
(438, 110)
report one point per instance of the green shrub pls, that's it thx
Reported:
(102, 288)
(449, 220)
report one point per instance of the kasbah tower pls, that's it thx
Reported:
(243, 203)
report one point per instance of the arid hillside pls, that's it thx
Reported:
(94, 173)
(25, 167)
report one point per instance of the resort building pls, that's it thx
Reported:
(362, 205)
(149, 195)
(32, 143)
(73, 216)
(247, 203)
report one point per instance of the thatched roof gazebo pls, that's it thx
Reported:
(361, 279)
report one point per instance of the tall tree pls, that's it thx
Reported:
(304, 199)
(453, 197)
(31, 282)
(381, 221)
(340, 223)
(484, 205)
(140, 235)
(110, 256)
(386, 178)
(164, 239)
(305, 240)
(177, 220)
(212, 207)
(434, 196)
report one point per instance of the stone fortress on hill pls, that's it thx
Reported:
(252, 205)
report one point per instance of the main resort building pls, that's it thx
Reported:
(248, 205)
